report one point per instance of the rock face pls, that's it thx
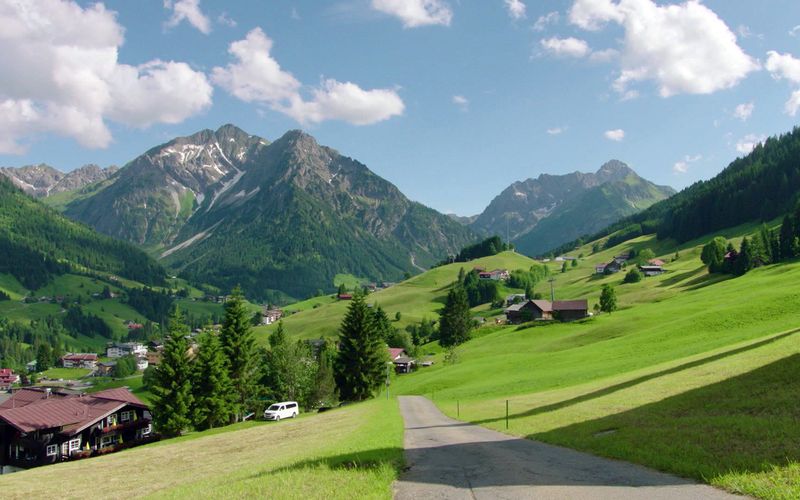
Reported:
(225, 207)
(43, 180)
(540, 214)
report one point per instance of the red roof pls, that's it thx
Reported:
(80, 357)
(28, 395)
(396, 352)
(656, 262)
(345, 296)
(543, 305)
(71, 414)
(571, 305)
(6, 372)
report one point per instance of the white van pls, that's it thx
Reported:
(286, 409)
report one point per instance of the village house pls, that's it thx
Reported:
(544, 310)
(651, 270)
(7, 378)
(571, 310)
(39, 426)
(496, 275)
(515, 298)
(105, 368)
(529, 310)
(271, 315)
(79, 360)
(118, 350)
(612, 267)
(345, 296)
(402, 362)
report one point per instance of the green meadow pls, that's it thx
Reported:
(352, 452)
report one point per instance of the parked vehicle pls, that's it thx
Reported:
(286, 409)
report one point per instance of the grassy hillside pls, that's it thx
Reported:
(353, 452)
(419, 297)
(695, 375)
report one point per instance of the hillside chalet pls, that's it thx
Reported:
(118, 350)
(496, 275)
(271, 315)
(544, 310)
(79, 360)
(7, 378)
(39, 426)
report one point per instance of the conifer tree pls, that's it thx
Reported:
(172, 381)
(787, 238)
(383, 325)
(360, 365)
(746, 258)
(238, 345)
(608, 299)
(324, 390)
(455, 321)
(211, 385)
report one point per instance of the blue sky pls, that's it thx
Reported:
(450, 100)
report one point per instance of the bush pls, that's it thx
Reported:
(633, 276)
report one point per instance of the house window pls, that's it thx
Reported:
(144, 431)
(125, 416)
(112, 420)
(75, 445)
(65, 449)
(107, 441)
(52, 450)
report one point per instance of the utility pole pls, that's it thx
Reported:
(552, 290)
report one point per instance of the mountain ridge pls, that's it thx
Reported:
(576, 200)
(205, 202)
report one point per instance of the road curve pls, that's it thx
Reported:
(448, 459)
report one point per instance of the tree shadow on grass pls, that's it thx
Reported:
(745, 424)
(677, 278)
(639, 380)
(358, 460)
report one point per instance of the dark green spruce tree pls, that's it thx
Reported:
(172, 381)
(213, 405)
(455, 321)
(360, 366)
(787, 238)
(238, 345)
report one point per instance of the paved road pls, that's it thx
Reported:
(449, 459)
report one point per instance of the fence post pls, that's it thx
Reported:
(458, 409)
(506, 414)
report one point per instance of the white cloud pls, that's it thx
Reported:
(783, 66)
(226, 20)
(793, 104)
(461, 101)
(747, 143)
(256, 77)
(69, 81)
(744, 111)
(794, 31)
(615, 135)
(557, 130)
(682, 166)
(416, 13)
(543, 21)
(189, 11)
(786, 67)
(566, 47)
(606, 55)
(516, 9)
(684, 48)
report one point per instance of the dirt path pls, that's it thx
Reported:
(452, 459)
